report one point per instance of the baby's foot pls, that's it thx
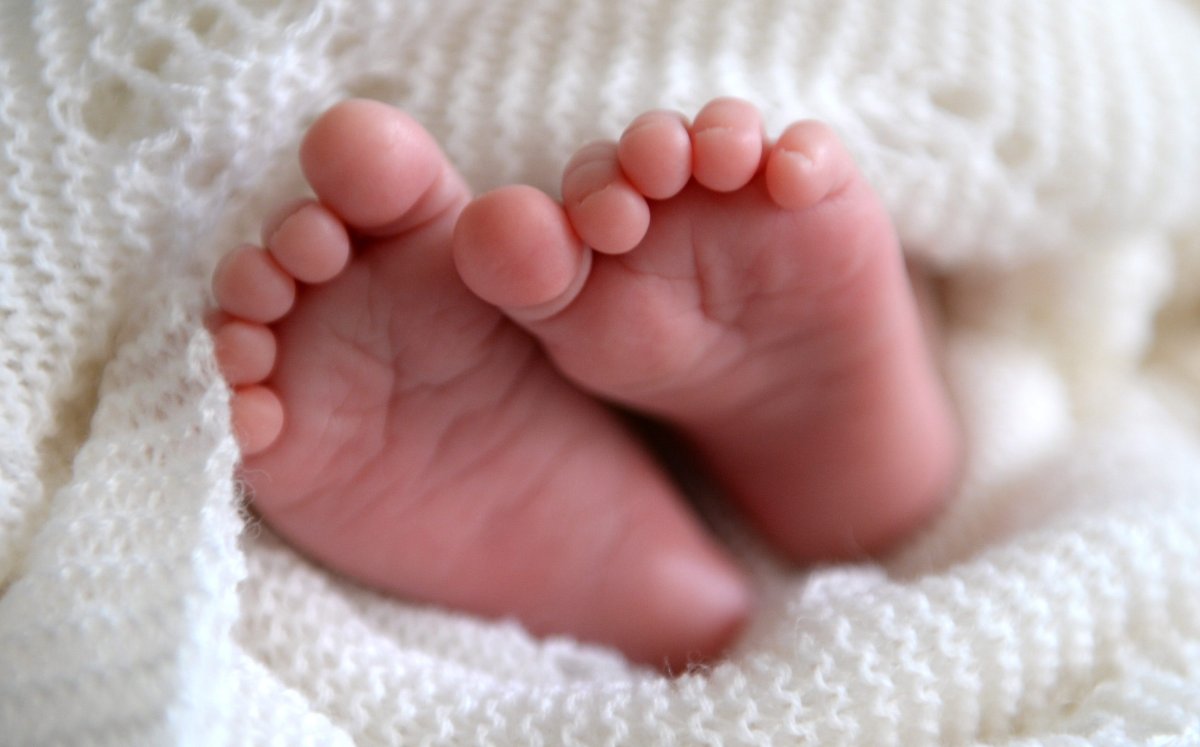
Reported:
(402, 431)
(758, 301)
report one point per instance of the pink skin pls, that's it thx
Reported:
(759, 303)
(400, 430)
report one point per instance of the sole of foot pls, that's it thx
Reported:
(750, 293)
(403, 432)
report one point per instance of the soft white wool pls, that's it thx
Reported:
(1043, 154)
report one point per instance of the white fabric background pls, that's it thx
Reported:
(1042, 155)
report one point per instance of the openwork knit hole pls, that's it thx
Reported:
(112, 111)
(342, 43)
(204, 173)
(202, 21)
(152, 55)
(1015, 150)
(967, 103)
(102, 112)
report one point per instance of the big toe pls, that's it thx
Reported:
(515, 249)
(377, 168)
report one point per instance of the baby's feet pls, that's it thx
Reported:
(758, 301)
(402, 431)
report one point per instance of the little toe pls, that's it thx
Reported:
(245, 352)
(515, 249)
(727, 144)
(311, 244)
(249, 284)
(378, 169)
(257, 418)
(607, 212)
(807, 164)
(655, 153)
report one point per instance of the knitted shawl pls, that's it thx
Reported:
(1041, 157)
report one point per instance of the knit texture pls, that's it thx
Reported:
(1042, 156)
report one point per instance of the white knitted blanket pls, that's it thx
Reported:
(1042, 155)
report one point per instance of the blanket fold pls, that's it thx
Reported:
(1042, 157)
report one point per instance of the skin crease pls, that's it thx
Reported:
(415, 372)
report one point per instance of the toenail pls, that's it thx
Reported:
(653, 119)
(594, 195)
(598, 151)
(803, 160)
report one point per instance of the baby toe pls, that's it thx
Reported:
(807, 164)
(378, 168)
(281, 213)
(655, 154)
(257, 418)
(607, 212)
(249, 284)
(245, 352)
(727, 144)
(515, 249)
(311, 244)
